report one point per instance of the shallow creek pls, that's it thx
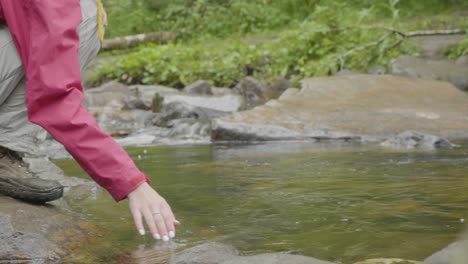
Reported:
(336, 202)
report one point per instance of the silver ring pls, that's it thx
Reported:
(156, 213)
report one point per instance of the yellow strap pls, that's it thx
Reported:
(100, 22)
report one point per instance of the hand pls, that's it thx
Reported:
(147, 204)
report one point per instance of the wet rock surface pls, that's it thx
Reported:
(217, 253)
(352, 107)
(39, 234)
(42, 233)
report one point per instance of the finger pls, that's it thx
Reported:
(161, 225)
(177, 223)
(169, 219)
(151, 224)
(137, 218)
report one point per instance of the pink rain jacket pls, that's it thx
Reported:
(45, 34)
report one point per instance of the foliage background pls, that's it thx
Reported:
(224, 40)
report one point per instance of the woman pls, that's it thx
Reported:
(43, 48)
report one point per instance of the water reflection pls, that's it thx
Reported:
(149, 254)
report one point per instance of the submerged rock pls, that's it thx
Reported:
(455, 253)
(217, 253)
(352, 107)
(413, 139)
(275, 258)
(444, 70)
(208, 253)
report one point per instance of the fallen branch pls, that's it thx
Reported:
(343, 56)
(134, 40)
(435, 32)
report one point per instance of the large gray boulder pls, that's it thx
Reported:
(352, 107)
(208, 253)
(444, 70)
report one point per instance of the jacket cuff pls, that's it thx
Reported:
(122, 192)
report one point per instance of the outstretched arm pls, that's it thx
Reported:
(45, 34)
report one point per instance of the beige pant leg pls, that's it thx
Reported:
(16, 132)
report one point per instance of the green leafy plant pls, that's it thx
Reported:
(458, 50)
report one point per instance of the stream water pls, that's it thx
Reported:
(336, 202)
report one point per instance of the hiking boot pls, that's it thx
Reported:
(17, 182)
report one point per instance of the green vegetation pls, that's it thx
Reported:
(456, 51)
(221, 18)
(223, 41)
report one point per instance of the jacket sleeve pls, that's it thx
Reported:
(45, 33)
